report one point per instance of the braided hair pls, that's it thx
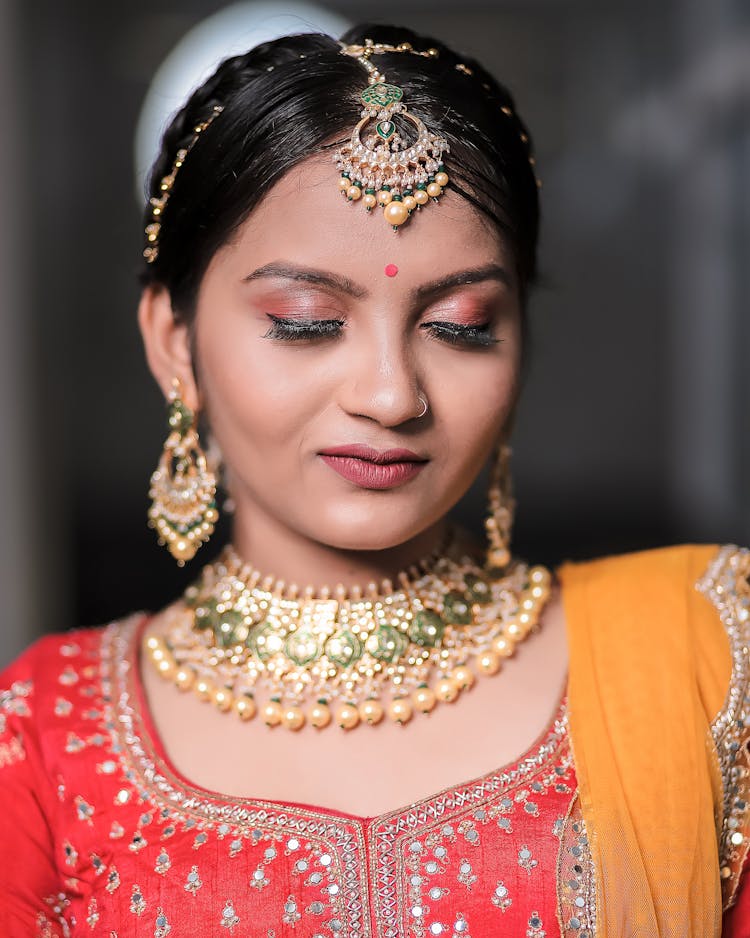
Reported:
(286, 100)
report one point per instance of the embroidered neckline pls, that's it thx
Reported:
(147, 766)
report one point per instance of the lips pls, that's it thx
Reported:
(374, 469)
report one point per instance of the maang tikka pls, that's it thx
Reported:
(183, 485)
(377, 165)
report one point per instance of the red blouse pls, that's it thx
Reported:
(100, 835)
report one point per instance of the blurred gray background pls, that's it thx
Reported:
(634, 430)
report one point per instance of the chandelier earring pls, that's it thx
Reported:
(501, 504)
(183, 485)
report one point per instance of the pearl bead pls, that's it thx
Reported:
(152, 643)
(347, 717)
(166, 667)
(184, 678)
(447, 690)
(182, 550)
(424, 699)
(369, 200)
(421, 197)
(489, 663)
(344, 183)
(396, 213)
(499, 557)
(272, 713)
(503, 646)
(212, 515)
(539, 575)
(203, 689)
(463, 676)
(441, 179)
(293, 718)
(410, 202)
(222, 698)
(434, 191)
(513, 629)
(400, 710)
(320, 715)
(244, 707)
(384, 197)
(371, 711)
(353, 193)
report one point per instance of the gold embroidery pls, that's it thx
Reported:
(725, 583)
(576, 886)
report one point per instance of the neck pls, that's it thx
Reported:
(294, 558)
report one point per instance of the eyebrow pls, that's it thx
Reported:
(321, 278)
(328, 279)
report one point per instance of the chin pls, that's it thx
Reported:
(383, 528)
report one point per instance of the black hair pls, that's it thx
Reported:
(286, 100)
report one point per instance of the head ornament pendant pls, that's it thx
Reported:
(392, 159)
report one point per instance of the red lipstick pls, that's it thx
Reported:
(371, 468)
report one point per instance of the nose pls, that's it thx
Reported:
(383, 382)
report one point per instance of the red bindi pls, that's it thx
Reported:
(391, 270)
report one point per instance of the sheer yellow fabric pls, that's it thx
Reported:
(650, 667)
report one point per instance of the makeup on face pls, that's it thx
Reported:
(372, 469)
(470, 298)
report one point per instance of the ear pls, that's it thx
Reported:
(167, 344)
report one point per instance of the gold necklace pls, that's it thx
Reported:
(255, 645)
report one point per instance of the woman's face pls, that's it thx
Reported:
(318, 328)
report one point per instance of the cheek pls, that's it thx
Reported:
(475, 401)
(250, 386)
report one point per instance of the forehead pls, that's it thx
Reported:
(305, 219)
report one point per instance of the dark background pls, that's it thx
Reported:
(634, 430)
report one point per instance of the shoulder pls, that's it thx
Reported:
(680, 564)
(48, 659)
(691, 591)
(50, 684)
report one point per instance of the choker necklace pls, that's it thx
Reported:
(255, 645)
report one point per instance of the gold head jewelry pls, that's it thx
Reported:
(378, 165)
(253, 645)
(183, 486)
(158, 203)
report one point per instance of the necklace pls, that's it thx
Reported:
(257, 646)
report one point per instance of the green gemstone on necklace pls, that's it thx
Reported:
(206, 616)
(456, 609)
(264, 641)
(426, 628)
(302, 647)
(344, 648)
(477, 589)
(386, 643)
(225, 629)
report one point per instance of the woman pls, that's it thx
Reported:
(357, 360)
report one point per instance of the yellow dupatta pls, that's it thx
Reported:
(650, 669)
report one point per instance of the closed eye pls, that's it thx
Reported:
(456, 334)
(282, 328)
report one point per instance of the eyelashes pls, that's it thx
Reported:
(455, 334)
(302, 328)
(450, 332)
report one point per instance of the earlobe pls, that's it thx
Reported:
(167, 344)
